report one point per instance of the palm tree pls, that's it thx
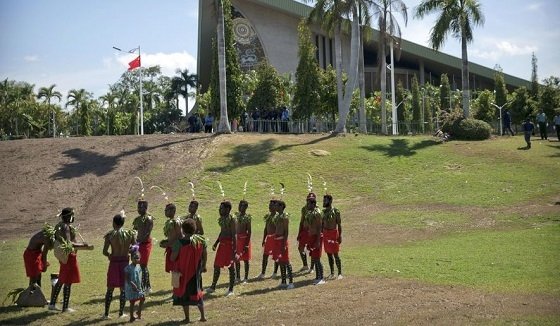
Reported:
(48, 93)
(79, 100)
(388, 28)
(223, 126)
(457, 17)
(332, 13)
(181, 84)
(111, 100)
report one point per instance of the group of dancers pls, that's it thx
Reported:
(128, 251)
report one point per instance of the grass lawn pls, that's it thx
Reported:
(483, 216)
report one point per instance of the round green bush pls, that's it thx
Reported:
(470, 129)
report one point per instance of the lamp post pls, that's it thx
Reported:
(140, 93)
(501, 122)
(394, 110)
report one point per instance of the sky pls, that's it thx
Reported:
(70, 42)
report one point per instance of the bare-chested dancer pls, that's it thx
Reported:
(35, 255)
(143, 224)
(281, 250)
(119, 241)
(313, 218)
(332, 233)
(69, 272)
(268, 238)
(226, 245)
(243, 240)
(193, 207)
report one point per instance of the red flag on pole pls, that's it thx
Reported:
(134, 64)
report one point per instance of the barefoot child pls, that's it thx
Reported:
(133, 284)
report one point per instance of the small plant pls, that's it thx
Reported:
(458, 127)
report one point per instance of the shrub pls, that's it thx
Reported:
(471, 129)
(458, 127)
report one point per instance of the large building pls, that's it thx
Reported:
(267, 30)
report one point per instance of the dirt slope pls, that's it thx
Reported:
(94, 175)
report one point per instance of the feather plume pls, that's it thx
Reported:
(142, 187)
(244, 189)
(192, 189)
(162, 192)
(221, 189)
(309, 183)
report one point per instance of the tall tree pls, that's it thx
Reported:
(48, 93)
(306, 100)
(181, 85)
(416, 109)
(445, 94)
(79, 99)
(388, 28)
(534, 92)
(500, 90)
(457, 17)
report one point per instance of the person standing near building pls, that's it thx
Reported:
(507, 123)
(557, 125)
(541, 120)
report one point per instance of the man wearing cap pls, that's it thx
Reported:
(332, 234)
(226, 246)
(314, 219)
(143, 224)
(119, 241)
(69, 273)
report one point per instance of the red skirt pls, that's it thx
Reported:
(242, 241)
(303, 237)
(169, 264)
(145, 250)
(115, 273)
(330, 241)
(269, 244)
(33, 262)
(277, 255)
(69, 273)
(225, 254)
(315, 252)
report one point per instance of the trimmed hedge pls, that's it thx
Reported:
(470, 129)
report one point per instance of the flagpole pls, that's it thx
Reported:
(141, 101)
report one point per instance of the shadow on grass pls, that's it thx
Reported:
(247, 155)
(87, 162)
(401, 147)
(314, 141)
(28, 318)
(557, 147)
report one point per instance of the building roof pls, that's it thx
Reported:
(437, 61)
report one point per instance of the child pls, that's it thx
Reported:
(133, 284)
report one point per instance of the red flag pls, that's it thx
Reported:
(134, 64)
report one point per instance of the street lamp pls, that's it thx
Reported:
(140, 93)
(501, 122)
(394, 110)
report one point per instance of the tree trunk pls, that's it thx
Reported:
(465, 77)
(383, 82)
(352, 73)
(338, 59)
(362, 110)
(223, 126)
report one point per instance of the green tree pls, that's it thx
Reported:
(328, 97)
(445, 94)
(534, 92)
(267, 92)
(79, 99)
(549, 101)
(181, 85)
(415, 104)
(522, 106)
(306, 100)
(457, 17)
(482, 107)
(47, 94)
(500, 90)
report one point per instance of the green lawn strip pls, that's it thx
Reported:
(509, 261)
(419, 219)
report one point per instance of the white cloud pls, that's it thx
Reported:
(535, 6)
(494, 50)
(31, 58)
(169, 62)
